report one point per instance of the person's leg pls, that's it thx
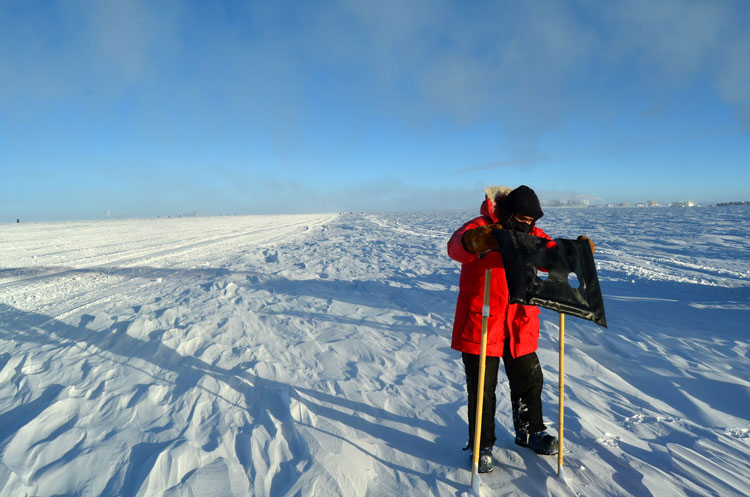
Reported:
(525, 378)
(471, 366)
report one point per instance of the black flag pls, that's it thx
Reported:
(523, 254)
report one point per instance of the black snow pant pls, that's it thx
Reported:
(525, 378)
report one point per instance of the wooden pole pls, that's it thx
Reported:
(562, 396)
(480, 387)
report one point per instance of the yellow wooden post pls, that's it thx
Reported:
(562, 396)
(480, 388)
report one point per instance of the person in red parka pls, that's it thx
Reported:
(513, 329)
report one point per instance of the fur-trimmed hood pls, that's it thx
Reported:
(493, 196)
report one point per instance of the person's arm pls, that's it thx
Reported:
(456, 249)
(471, 239)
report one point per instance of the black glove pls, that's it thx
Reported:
(481, 239)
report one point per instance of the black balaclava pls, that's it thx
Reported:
(521, 201)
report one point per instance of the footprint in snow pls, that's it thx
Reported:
(609, 440)
(640, 418)
(271, 256)
(743, 433)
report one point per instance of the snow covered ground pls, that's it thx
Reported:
(309, 356)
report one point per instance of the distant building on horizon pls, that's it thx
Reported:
(577, 202)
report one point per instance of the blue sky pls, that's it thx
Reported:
(141, 108)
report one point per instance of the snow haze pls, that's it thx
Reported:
(308, 355)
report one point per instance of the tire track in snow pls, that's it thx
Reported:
(267, 235)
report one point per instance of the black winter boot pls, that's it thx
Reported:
(486, 462)
(541, 443)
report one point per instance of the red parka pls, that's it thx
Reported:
(519, 322)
